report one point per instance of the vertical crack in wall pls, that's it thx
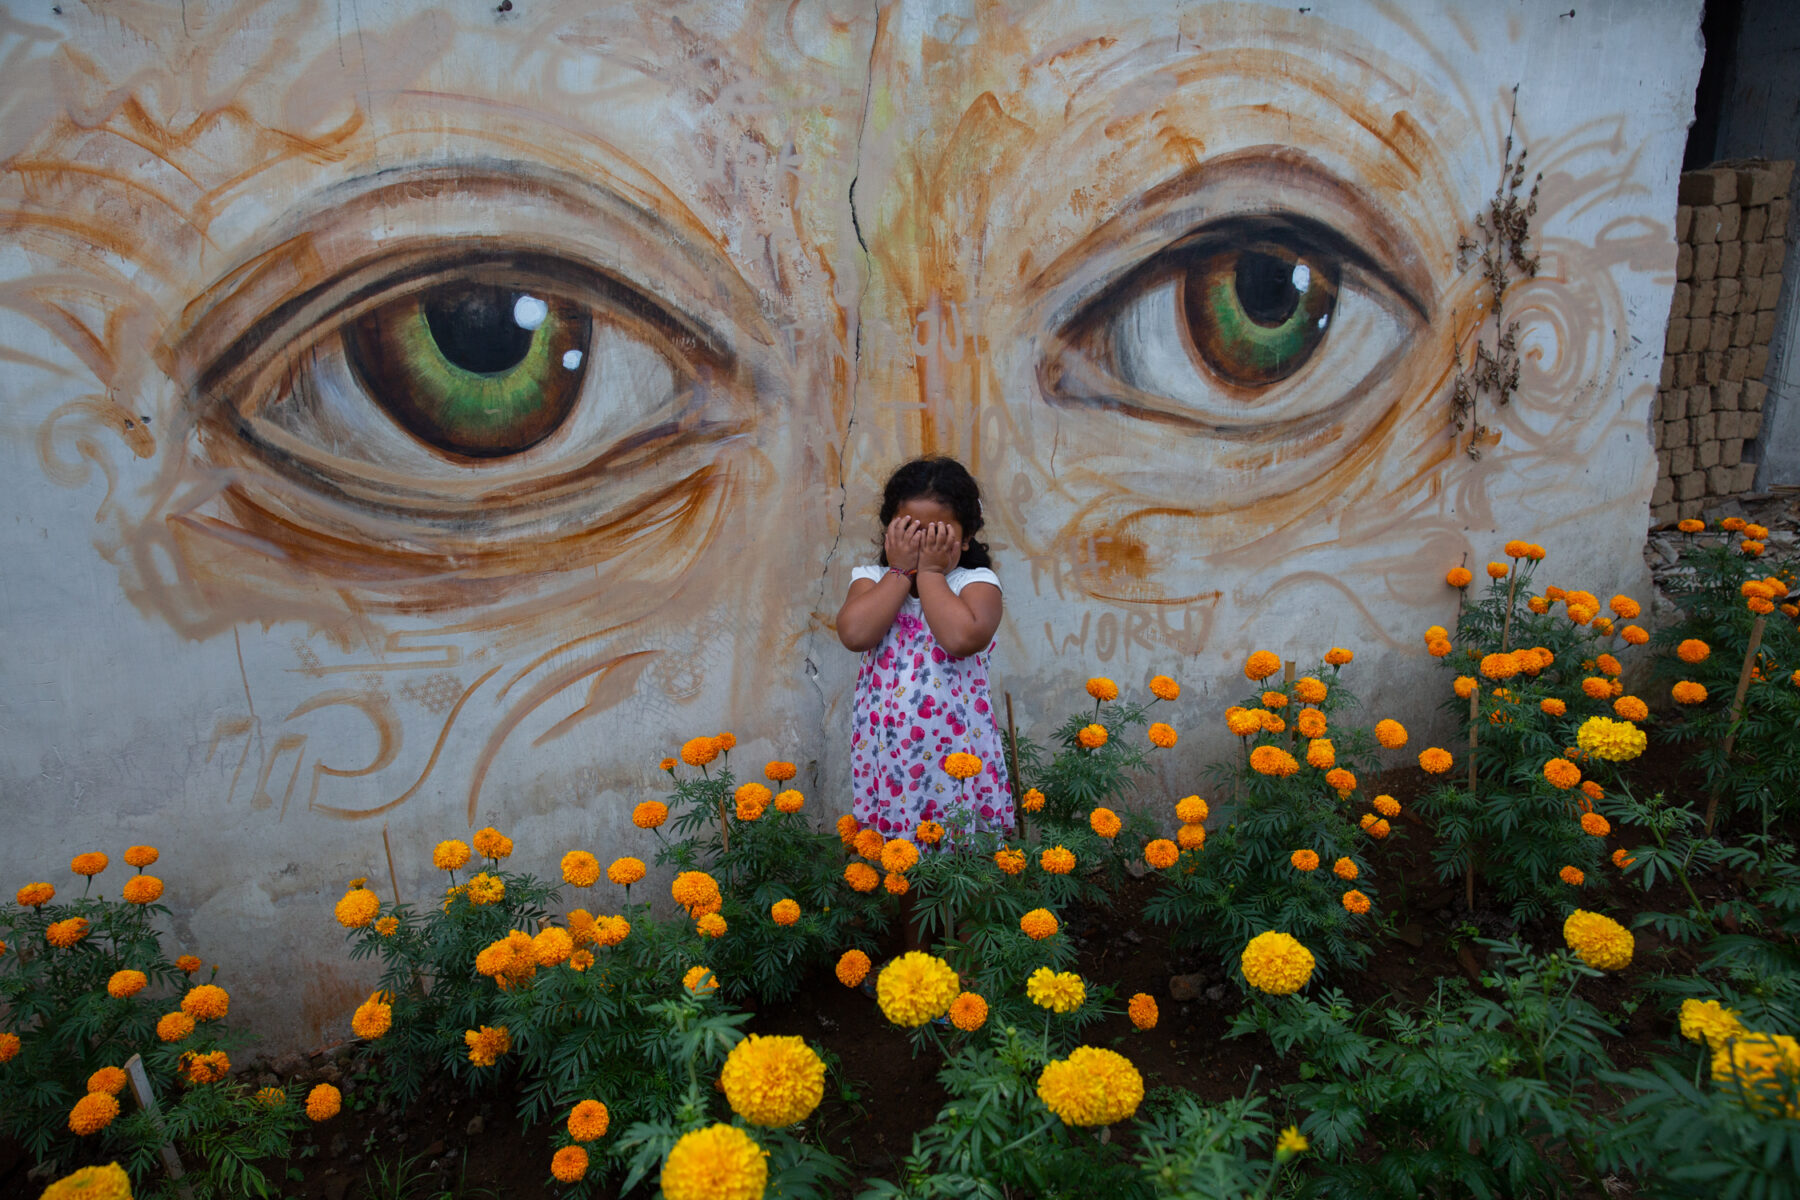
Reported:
(822, 593)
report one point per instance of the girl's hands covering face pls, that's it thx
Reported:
(902, 541)
(939, 549)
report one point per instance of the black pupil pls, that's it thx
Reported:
(1265, 288)
(474, 327)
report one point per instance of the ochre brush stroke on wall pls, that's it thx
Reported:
(1180, 283)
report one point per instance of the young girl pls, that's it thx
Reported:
(924, 620)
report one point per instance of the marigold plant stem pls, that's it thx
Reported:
(1012, 740)
(1469, 867)
(1737, 713)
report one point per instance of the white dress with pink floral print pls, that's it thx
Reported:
(915, 704)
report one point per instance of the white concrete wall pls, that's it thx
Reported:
(254, 622)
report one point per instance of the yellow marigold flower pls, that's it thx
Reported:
(695, 891)
(35, 895)
(697, 752)
(1290, 1143)
(968, 1012)
(1105, 822)
(552, 947)
(373, 1017)
(626, 871)
(1191, 837)
(896, 883)
(126, 983)
(929, 832)
(141, 856)
(1387, 806)
(1276, 963)
(271, 1097)
(323, 1102)
(110, 1080)
(1161, 854)
(915, 988)
(207, 1002)
(899, 855)
(1305, 860)
(1710, 1022)
(487, 1044)
(580, 869)
(452, 855)
(773, 1081)
(357, 908)
(1038, 924)
(92, 1113)
(1615, 741)
(1693, 650)
(1499, 666)
(1690, 525)
(1562, 773)
(861, 877)
(1243, 722)
(91, 1183)
(721, 1162)
(1599, 941)
(962, 766)
(66, 933)
(852, 968)
(784, 912)
(1595, 825)
(1355, 902)
(650, 814)
(700, 980)
(569, 1164)
(174, 1027)
(1760, 1069)
(1321, 754)
(1459, 577)
(1688, 692)
(588, 1121)
(1102, 688)
(1573, 876)
(485, 889)
(1164, 688)
(869, 844)
(1058, 991)
(1261, 665)
(491, 843)
(780, 772)
(1631, 708)
(1091, 1087)
(1438, 649)
(1435, 761)
(89, 864)
(1091, 737)
(1162, 736)
(1010, 861)
(789, 801)
(1271, 760)
(1057, 860)
(710, 925)
(1341, 781)
(1033, 801)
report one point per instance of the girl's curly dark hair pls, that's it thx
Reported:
(944, 480)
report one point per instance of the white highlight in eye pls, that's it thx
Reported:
(530, 312)
(1302, 277)
(571, 359)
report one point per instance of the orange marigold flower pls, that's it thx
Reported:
(698, 752)
(175, 1026)
(35, 895)
(1164, 688)
(667, 764)
(1271, 723)
(142, 889)
(66, 933)
(1243, 721)
(896, 883)
(1497, 570)
(1105, 822)
(1271, 760)
(1595, 687)
(487, 1044)
(710, 925)
(1435, 761)
(861, 877)
(1161, 854)
(1608, 665)
(1038, 924)
(207, 1002)
(1141, 1008)
(552, 946)
(1759, 606)
(789, 801)
(1032, 801)
(1337, 656)
(1621, 859)
(1436, 632)
(323, 1102)
(1693, 650)
(1191, 837)
(89, 864)
(1438, 649)
(929, 832)
(491, 843)
(1387, 806)
(1274, 699)
(1595, 825)
(1553, 706)
(966, 766)
(725, 741)
(784, 912)
(1010, 861)
(1356, 902)
(1752, 549)
(1562, 773)
(626, 871)
(1572, 876)
(569, 1164)
(126, 983)
(1581, 614)
(9, 1047)
(141, 856)
(780, 772)
(1102, 688)
(1340, 781)
(1390, 733)
(1499, 666)
(869, 843)
(1634, 635)
(1631, 708)
(1191, 810)
(1058, 860)
(1379, 829)
(847, 829)
(92, 1113)
(1310, 690)
(1162, 736)
(1092, 737)
(1310, 723)
(1321, 754)
(853, 968)
(580, 869)
(1688, 692)
(650, 814)
(1304, 860)
(1624, 607)
(1538, 604)
(1690, 525)
(1516, 548)
(1592, 790)
(1459, 577)
(1344, 869)
(1261, 665)
(1464, 686)
(968, 1012)
(752, 801)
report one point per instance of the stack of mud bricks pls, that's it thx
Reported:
(1730, 229)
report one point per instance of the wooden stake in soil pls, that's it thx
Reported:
(1512, 585)
(1469, 869)
(140, 1088)
(389, 847)
(1012, 740)
(1737, 712)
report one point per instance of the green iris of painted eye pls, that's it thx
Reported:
(1257, 313)
(476, 369)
